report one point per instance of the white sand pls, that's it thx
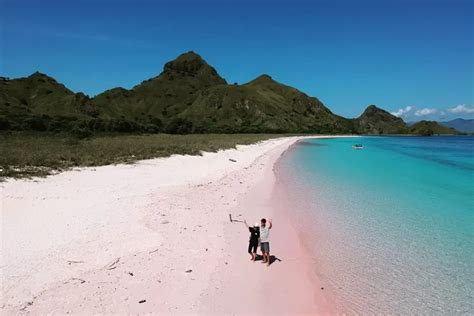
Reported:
(99, 240)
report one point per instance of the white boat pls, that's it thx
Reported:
(358, 146)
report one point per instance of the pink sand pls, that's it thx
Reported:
(100, 240)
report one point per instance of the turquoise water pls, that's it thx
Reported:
(390, 227)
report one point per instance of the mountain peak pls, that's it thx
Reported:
(190, 64)
(372, 108)
(40, 77)
(189, 56)
(38, 74)
(263, 79)
(375, 120)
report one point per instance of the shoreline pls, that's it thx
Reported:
(157, 231)
(291, 209)
(289, 285)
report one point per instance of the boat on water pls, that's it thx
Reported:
(358, 146)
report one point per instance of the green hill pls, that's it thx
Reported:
(25, 101)
(189, 96)
(262, 105)
(428, 128)
(378, 121)
(164, 96)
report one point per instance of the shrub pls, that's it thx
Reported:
(37, 123)
(157, 122)
(4, 124)
(81, 132)
(124, 126)
(151, 128)
(179, 126)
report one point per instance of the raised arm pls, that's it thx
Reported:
(245, 222)
(271, 225)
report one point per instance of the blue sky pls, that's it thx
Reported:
(409, 57)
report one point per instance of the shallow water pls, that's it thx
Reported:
(391, 226)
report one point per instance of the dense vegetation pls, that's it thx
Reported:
(33, 154)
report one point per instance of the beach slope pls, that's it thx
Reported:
(154, 237)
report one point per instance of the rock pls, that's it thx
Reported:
(188, 271)
(130, 273)
(142, 301)
(233, 160)
(165, 222)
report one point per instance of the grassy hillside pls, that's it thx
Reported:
(24, 102)
(263, 105)
(378, 121)
(189, 96)
(163, 97)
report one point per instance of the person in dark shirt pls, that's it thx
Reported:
(253, 240)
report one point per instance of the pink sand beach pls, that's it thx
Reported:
(155, 237)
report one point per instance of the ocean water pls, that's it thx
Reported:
(390, 228)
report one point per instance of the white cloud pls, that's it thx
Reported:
(462, 108)
(425, 111)
(402, 112)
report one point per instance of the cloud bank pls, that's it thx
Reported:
(402, 112)
(462, 109)
(425, 111)
(412, 113)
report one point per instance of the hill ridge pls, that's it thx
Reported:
(188, 96)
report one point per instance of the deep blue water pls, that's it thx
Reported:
(391, 227)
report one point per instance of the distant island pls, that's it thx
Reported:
(189, 96)
(459, 124)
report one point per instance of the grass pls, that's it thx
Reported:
(26, 154)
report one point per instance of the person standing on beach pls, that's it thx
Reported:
(253, 240)
(264, 240)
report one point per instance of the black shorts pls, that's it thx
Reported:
(253, 246)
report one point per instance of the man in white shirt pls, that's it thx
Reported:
(264, 240)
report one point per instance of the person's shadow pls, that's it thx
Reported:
(272, 259)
